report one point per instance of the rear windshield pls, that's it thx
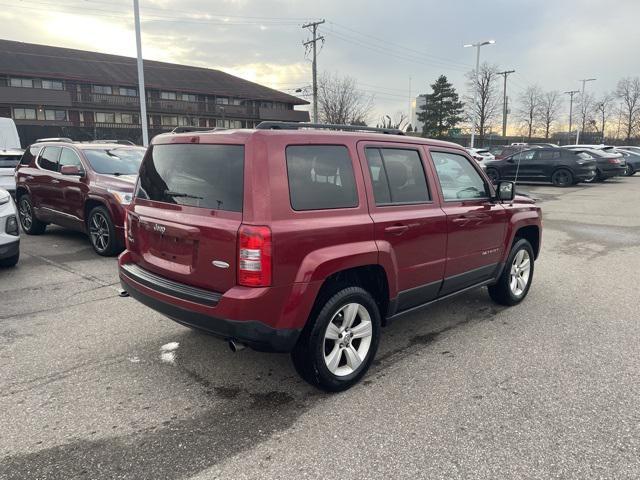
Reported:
(9, 161)
(115, 161)
(206, 176)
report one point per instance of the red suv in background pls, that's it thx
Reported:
(81, 186)
(308, 241)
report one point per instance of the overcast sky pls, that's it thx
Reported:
(380, 43)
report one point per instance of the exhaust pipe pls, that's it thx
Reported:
(236, 346)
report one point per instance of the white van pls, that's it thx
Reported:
(10, 153)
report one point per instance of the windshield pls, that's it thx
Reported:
(115, 161)
(9, 161)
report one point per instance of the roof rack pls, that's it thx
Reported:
(325, 126)
(196, 129)
(117, 142)
(54, 139)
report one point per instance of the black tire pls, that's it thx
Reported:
(493, 175)
(501, 291)
(562, 178)
(102, 233)
(309, 353)
(630, 170)
(599, 177)
(28, 221)
(10, 261)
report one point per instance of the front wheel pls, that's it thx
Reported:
(336, 349)
(102, 233)
(514, 282)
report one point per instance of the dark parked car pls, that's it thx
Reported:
(559, 166)
(632, 159)
(609, 162)
(82, 186)
(301, 240)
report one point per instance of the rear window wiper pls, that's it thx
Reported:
(171, 193)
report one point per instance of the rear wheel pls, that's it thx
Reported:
(514, 282)
(30, 224)
(493, 175)
(337, 348)
(562, 178)
(600, 177)
(102, 233)
(630, 170)
(10, 261)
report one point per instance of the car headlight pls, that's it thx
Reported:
(123, 198)
(4, 200)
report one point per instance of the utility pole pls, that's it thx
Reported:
(314, 30)
(141, 92)
(584, 113)
(504, 101)
(571, 93)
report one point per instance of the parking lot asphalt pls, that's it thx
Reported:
(96, 386)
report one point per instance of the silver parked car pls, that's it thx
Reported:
(9, 231)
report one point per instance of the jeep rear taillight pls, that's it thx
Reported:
(254, 256)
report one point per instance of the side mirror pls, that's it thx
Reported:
(506, 191)
(70, 170)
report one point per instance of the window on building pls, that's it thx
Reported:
(237, 101)
(222, 101)
(105, 117)
(235, 124)
(55, 115)
(169, 120)
(52, 84)
(266, 105)
(24, 113)
(188, 122)
(21, 82)
(187, 97)
(320, 177)
(128, 92)
(104, 89)
(168, 95)
(128, 118)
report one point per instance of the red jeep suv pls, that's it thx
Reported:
(82, 186)
(304, 239)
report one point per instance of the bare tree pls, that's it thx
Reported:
(487, 102)
(341, 102)
(586, 104)
(530, 108)
(550, 105)
(628, 91)
(602, 111)
(399, 121)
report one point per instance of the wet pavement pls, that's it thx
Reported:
(96, 386)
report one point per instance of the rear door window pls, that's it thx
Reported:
(548, 155)
(320, 177)
(49, 158)
(397, 176)
(205, 176)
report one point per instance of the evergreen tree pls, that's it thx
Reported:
(442, 110)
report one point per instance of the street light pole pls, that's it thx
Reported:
(141, 93)
(475, 88)
(584, 80)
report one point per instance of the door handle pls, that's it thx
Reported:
(397, 229)
(464, 219)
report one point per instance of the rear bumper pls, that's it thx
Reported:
(254, 319)
(9, 249)
(615, 171)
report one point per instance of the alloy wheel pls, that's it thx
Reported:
(26, 214)
(520, 272)
(99, 231)
(347, 339)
